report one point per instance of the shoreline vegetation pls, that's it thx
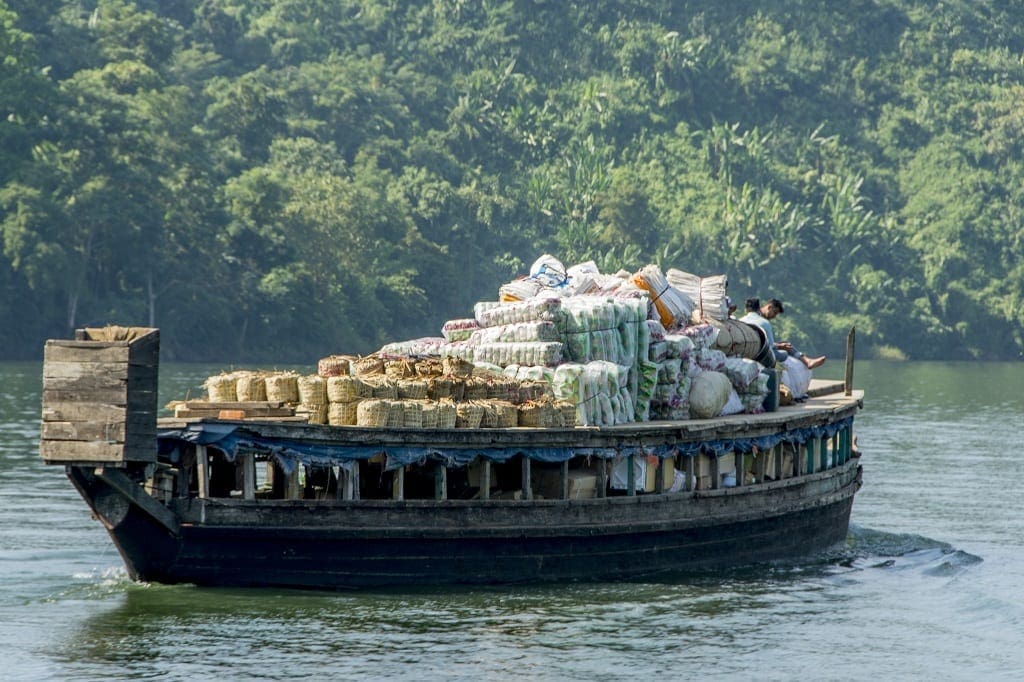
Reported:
(276, 181)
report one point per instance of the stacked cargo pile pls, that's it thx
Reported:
(562, 347)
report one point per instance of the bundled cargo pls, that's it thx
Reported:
(547, 353)
(221, 388)
(312, 391)
(459, 330)
(741, 372)
(429, 345)
(541, 330)
(534, 310)
(334, 365)
(674, 307)
(708, 394)
(708, 294)
(283, 387)
(250, 386)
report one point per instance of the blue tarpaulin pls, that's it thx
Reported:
(231, 439)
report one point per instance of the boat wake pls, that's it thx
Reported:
(866, 548)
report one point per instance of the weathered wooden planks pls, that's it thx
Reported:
(100, 397)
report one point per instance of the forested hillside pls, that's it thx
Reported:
(275, 180)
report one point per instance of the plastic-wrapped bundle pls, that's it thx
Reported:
(429, 345)
(674, 307)
(752, 403)
(459, 330)
(567, 384)
(486, 368)
(519, 290)
(458, 349)
(741, 372)
(539, 309)
(657, 351)
(531, 373)
(708, 294)
(547, 353)
(702, 335)
(648, 379)
(679, 345)
(668, 371)
(629, 316)
(517, 332)
(709, 394)
(656, 330)
(481, 307)
(710, 360)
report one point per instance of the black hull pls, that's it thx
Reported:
(340, 545)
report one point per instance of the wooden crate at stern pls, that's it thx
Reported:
(100, 397)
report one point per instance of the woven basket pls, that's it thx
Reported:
(533, 414)
(312, 390)
(499, 414)
(382, 387)
(396, 414)
(400, 368)
(373, 413)
(429, 412)
(412, 389)
(429, 367)
(317, 413)
(221, 388)
(345, 389)
(283, 387)
(476, 389)
(468, 415)
(457, 367)
(439, 387)
(568, 411)
(334, 366)
(447, 414)
(370, 366)
(501, 388)
(344, 414)
(251, 387)
(530, 391)
(412, 416)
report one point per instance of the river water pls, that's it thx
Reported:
(929, 583)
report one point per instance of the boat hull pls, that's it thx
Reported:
(369, 544)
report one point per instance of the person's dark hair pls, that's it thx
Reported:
(752, 305)
(777, 304)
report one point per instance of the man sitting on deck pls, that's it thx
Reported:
(760, 316)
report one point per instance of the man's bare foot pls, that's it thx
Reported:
(812, 363)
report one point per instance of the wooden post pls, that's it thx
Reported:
(631, 475)
(602, 477)
(399, 490)
(249, 476)
(441, 482)
(485, 480)
(527, 480)
(741, 474)
(203, 470)
(850, 343)
(688, 472)
(778, 455)
(715, 478)
(823, 453)
(351, 487)
(808, 448)
(563, 480)
(293, 485)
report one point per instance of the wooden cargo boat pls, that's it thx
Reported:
(256, 502)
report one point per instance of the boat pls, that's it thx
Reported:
(248, 500)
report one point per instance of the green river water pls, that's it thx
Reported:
(929, 584)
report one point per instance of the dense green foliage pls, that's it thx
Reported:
(277, 180)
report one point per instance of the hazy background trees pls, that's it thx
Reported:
(275, 180)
